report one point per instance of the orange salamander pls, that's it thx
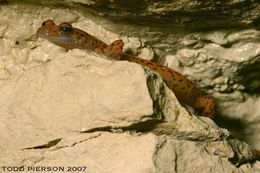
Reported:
(66, 36)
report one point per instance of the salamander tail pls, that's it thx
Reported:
(205, 105)
(115, 49)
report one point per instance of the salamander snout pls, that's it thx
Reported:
(47, 27)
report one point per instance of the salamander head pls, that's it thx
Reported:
(48, 29)
(61, 35)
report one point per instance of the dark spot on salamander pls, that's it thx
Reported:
(170, 71)
(200, 110)
(155, 68)
(149, 63)
(77, 32)
(188, 86)
(141, 60)
(17, 42)
(180, 80)
(82, 35)
(182, 88)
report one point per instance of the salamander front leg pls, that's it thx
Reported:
(114, 50)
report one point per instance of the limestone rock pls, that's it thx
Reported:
(225, 64)
(73, 87)
(77, 109)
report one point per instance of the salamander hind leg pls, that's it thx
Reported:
(114, 50)
(205, 105)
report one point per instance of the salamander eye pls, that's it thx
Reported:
(48, 22)
(65, 28)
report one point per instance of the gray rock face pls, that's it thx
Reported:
(78, 109)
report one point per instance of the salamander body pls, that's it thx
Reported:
(68, 37)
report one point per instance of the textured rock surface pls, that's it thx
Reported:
(131, 121)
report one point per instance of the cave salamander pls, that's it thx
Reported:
(68, 37)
